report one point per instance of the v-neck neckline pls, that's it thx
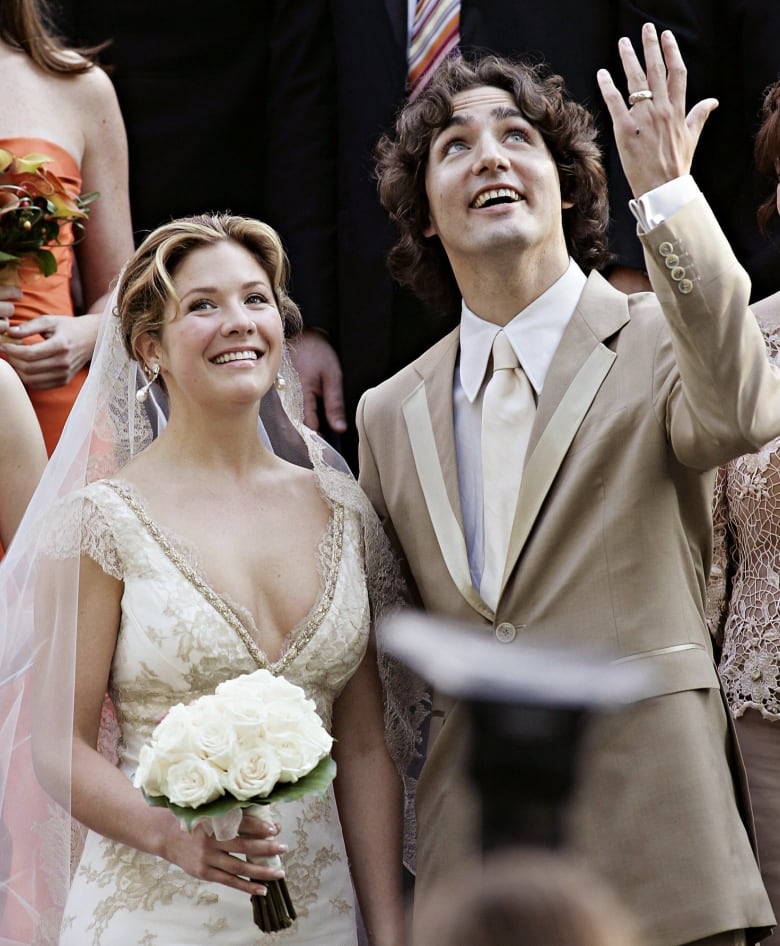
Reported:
(235, 615)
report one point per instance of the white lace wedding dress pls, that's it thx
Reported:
(178, 639)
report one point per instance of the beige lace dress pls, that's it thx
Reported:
(178, 639)
(743, 600)
(743, 610)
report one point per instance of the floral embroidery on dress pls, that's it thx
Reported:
(136, 881)
(235, 616)
(340, 905)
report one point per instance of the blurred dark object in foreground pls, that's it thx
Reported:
(529, 706)
(524, 763)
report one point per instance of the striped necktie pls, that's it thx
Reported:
(435, 33)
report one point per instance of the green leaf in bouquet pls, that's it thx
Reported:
(84, 200)
(47, 262)
(314, 783)
(189, 816)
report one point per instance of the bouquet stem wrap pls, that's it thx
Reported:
(274, 911)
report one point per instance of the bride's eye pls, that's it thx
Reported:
(257, 298)
(200, 305)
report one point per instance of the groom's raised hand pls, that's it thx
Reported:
(655, 138)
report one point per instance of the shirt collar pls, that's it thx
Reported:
(534, 333)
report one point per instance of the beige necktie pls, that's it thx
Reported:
(508, 410)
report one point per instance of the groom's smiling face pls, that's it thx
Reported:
(491, 181)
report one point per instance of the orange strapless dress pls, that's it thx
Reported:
(49, 295)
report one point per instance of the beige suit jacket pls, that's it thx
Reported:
(611, 545)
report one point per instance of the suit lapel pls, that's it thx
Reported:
(428, 415)
(578, 369)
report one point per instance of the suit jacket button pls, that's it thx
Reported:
(685, 286)
(665, 248)
(505, 632)
(671, 260)
(677, 273)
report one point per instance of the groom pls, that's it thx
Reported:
(588, 520)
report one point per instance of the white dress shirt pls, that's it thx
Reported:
(534, 334)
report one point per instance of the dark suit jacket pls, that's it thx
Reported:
(228, 106)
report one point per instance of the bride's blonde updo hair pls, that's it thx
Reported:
(146, 285)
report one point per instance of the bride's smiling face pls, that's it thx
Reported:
(223, 340)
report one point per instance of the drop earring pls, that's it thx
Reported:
(280, 384)
(151, 373)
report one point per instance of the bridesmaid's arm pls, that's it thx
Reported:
(108, 236)
(369, 796)
(22, 452)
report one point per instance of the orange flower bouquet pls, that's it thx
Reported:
(34, 205)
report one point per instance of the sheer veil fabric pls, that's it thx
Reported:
(39, 580)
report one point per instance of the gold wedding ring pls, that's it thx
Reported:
(639, 96)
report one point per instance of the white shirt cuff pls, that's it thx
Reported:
(657, 205)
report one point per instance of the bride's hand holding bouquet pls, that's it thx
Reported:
(256, 741)
(241, 862)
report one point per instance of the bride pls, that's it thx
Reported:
(216, 547)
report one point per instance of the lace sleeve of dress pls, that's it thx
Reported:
(719, 581)
(78, 525)
(406, 698)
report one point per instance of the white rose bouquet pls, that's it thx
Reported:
(256, 740)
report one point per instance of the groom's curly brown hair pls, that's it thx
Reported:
(568, 131)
